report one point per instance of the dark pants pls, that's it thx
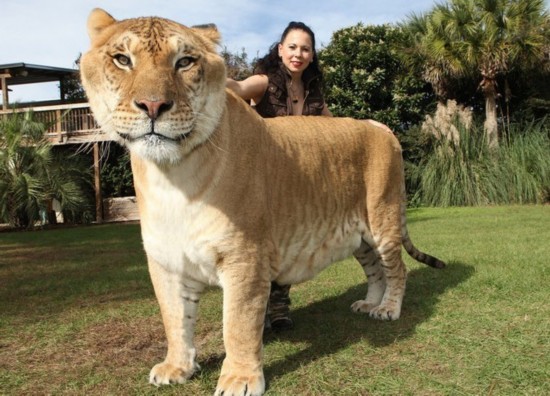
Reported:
(278, 309)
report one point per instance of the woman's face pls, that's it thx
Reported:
(296, 51)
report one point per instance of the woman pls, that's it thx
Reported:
(287, 81)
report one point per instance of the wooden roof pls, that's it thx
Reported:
(24, 73)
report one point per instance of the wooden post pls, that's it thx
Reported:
(5, 99)
(58, 126)
(62, 89)
(97, 186)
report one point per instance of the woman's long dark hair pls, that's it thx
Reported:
(271, 62)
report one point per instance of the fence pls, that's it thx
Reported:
(66, 123)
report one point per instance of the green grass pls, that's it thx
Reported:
(78, 316)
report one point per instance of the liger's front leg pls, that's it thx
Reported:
(178, 299)
(245, 296)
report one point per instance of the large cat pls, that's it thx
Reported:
(227, 198)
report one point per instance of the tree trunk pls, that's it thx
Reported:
(491, 125)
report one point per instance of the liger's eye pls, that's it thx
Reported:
(122, 60)
(185, 63)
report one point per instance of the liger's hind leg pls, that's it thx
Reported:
(396, 278)
(376, 281)
(386, 279)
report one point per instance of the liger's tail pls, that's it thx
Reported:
(407, 243)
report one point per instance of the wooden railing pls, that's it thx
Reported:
(66, 123)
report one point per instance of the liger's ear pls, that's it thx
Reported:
(98, 21)
(210, 31)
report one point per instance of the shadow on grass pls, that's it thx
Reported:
(329, 325)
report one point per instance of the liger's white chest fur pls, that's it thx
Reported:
(180, 232)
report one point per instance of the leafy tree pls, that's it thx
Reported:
(365, 77)
(486, 39)
(32, 175)
(116, 172)
(238, 67)
(71, 86)
(72, 89)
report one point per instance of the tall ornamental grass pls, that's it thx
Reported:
(466, 172)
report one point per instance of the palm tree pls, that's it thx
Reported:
(31, 175)
(418, 42)
(485, 39)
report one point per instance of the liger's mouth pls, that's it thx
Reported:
(154, 137)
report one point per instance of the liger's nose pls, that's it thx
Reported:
(154, 108)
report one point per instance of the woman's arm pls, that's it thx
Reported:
(252, 88)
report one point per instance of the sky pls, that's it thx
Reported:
(53, 32)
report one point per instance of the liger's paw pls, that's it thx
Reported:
(362, 306)
(385, 312)
(166, 373)
(240, 385)
(377, 311)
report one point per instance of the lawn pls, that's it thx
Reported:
(78, 316)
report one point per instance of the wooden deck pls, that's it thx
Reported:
(66, 123)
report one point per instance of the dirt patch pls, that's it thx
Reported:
(101, 349)
(125, 341)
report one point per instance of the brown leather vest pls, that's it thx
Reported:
(276, 102)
